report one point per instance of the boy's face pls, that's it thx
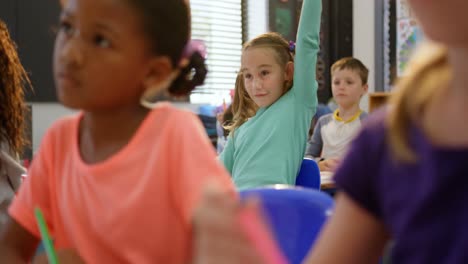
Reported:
(347, 87)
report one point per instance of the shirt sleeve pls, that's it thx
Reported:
(227, 155)
(358, 173)
(197, 165)
(35, 191)
(9, 164)
(363, 116)
(307, 47)
(315, 145)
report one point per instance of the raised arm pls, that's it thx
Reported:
(307, 47)
(364, 240)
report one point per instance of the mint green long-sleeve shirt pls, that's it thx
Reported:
(269, 147)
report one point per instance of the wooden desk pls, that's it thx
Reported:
(326, 180)
(377, 100)
(327, 186)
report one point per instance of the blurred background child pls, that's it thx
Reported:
(334, 132)
(404, 177)
(118, 182)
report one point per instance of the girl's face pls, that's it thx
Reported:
(264, 78)
(101, 57)
(443, 21)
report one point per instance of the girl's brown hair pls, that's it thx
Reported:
(13, 79)
(428, 73)
(243, 107)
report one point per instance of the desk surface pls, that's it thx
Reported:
(327, 186)
(326, 180)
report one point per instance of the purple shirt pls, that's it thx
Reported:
(423, 205)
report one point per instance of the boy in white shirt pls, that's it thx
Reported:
(333, 132)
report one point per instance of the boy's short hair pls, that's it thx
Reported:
(354, 64)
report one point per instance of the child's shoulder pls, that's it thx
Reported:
(324, 119)
(363, 115)
(176, 121)
(175, 118)
(174, 114)
(64, 124)
(61, 131)
(375, 125)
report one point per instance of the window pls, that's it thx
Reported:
(256, 18)
(219, 24)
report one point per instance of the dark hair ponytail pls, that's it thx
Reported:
(190, 76)
(167, 24)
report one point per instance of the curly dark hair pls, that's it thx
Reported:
(167, 24)
(13, 79)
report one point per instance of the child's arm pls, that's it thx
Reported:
(13, 168)
(364, 240)
(307, 47)
(328, 164)
(68, 256)
(21, 236)
(358, 209)
(218, 237)
(315, 145)
(17, 245)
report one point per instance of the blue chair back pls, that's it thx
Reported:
(309, 174)
(295, 216)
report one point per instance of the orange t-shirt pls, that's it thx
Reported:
(134, 207)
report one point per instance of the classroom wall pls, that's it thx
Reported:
(364, 40)
(44, 114)
(257, 21)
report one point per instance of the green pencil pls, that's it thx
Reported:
(48, 244)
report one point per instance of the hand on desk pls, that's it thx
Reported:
(218, 238)
(328, 164)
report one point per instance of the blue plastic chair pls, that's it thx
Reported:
(295, 215)
(309, 174)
